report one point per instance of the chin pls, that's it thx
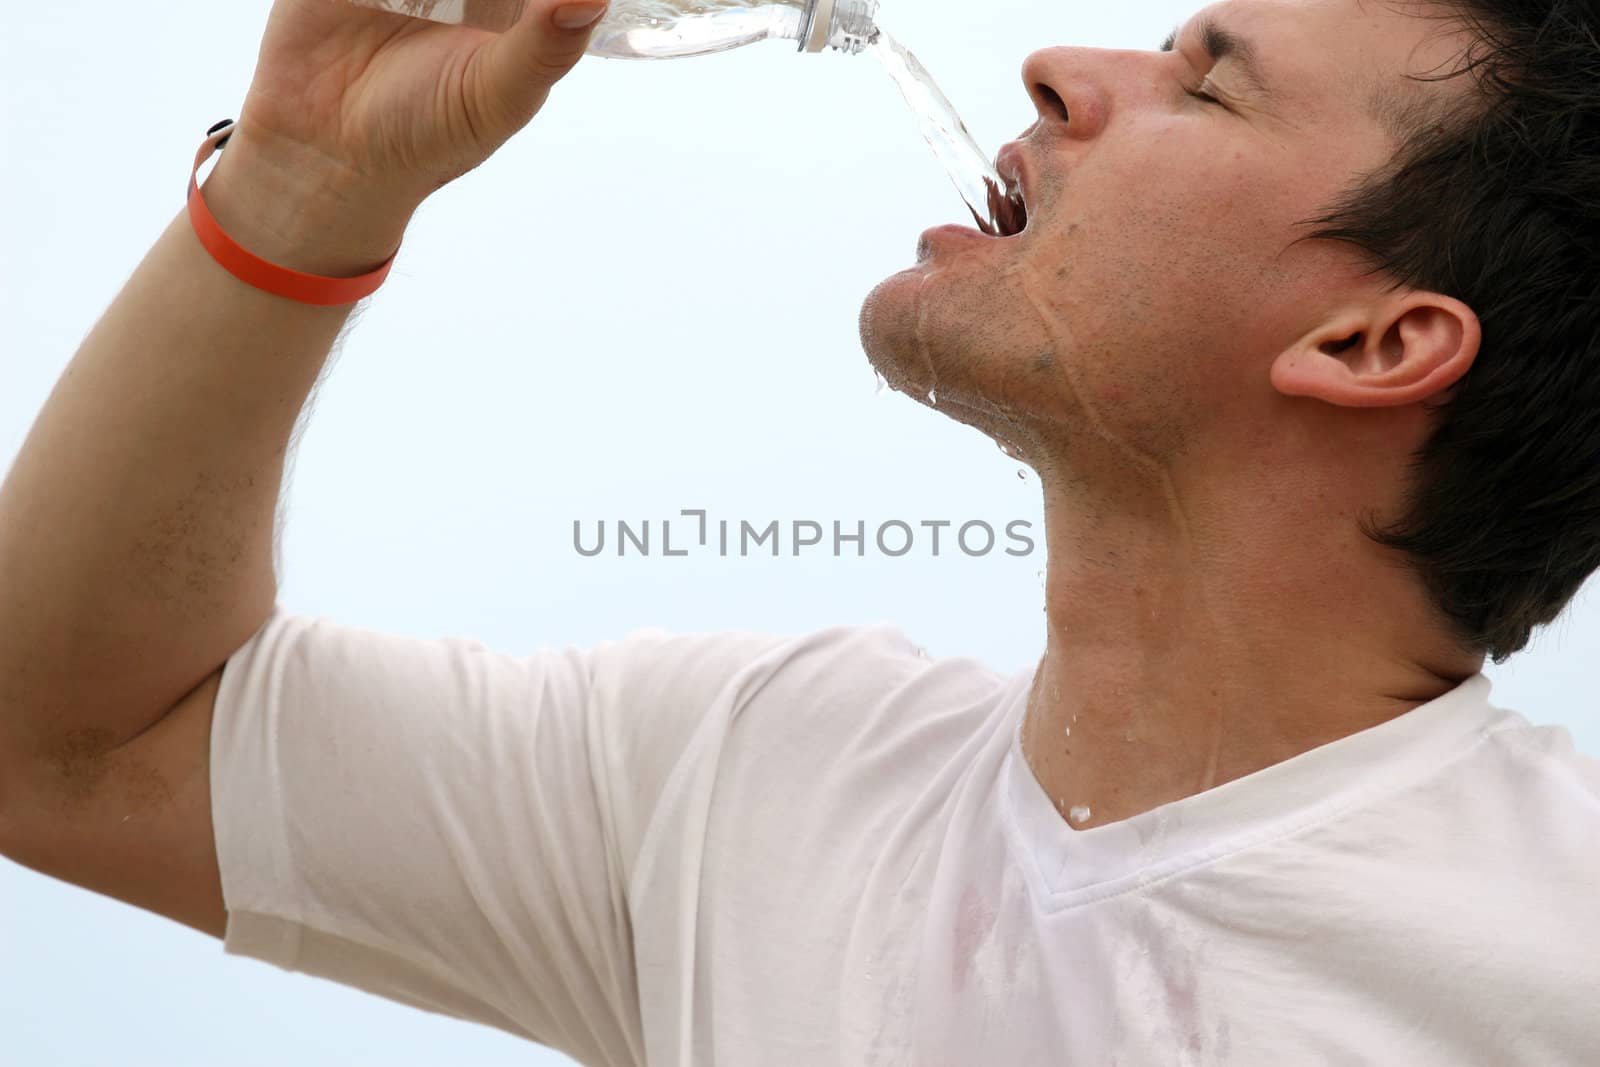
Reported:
(889, 325)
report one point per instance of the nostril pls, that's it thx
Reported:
(1049, 100)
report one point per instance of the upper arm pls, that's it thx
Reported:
(451, 826)
(427, 820)
(133, 823)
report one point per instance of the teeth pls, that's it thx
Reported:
(1018, 204)
(1010, 212)
(1008, 215)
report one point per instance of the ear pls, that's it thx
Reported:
(1403, 350)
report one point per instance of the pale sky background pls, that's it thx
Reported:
(645, 302)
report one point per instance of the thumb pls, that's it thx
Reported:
(547, 41)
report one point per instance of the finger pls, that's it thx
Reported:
(530, 57)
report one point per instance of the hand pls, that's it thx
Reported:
(390, 108)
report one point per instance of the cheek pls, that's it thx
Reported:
(1174, 252)
(1194, 213)
(1146, 279)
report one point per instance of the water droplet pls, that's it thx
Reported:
(1022, 472)
(1003, 448)
(1127, 735)
(883, 385)
(933, 396)
(1079, 814)
(1069, 731)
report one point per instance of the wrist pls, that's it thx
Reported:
(302, 212)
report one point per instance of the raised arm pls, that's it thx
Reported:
(136, 523)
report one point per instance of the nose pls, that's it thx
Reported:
(1062, 83)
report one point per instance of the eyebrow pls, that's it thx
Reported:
(1221, 43)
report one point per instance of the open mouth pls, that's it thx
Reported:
(1008, 214)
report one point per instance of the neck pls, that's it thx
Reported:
(1183, 654)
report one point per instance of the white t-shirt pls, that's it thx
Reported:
(741, 850)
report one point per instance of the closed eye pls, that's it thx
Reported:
(1201, 94)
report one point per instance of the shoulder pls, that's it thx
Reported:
(1549, 753)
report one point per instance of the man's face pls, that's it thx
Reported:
(1158, 276)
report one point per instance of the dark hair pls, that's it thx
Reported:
(1496, 202)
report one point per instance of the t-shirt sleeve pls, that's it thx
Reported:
(450, 827)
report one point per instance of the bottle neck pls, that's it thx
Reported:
(844, 25)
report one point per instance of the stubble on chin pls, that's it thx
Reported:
(892, 324)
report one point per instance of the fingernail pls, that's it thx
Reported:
(577, 16)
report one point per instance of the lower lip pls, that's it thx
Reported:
(951, 234)
(954, 231)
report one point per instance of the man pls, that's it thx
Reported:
(1254, 806)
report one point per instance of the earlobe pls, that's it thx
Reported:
(1420, 346)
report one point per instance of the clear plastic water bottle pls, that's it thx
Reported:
(667, 29)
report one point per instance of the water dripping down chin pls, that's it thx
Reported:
(931, 394)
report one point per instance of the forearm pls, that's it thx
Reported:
(136, 523)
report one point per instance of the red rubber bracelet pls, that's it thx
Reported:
(257, 272)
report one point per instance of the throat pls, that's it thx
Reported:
(1106, 748)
